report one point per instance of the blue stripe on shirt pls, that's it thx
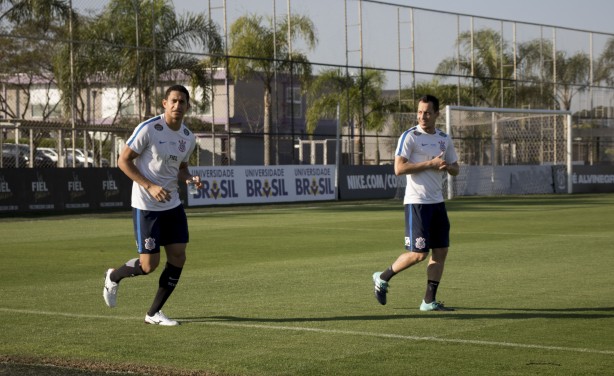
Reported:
(141, 126)
(403, 140)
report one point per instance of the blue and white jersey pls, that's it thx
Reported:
(415, 145)
(161, 150)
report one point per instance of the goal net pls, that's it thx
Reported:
(505, 151)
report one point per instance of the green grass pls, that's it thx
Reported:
(286, 290)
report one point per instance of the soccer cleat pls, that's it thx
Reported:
(160, 319)
(380, 289)
(109, 292)
(434, 306)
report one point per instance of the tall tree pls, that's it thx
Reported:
(572, 76)
(360, 102)
(44, 12)
(484, 57)
(605, 64)
(134, 42)
(558, 79)
(26, 62)
(538, 79)
(33, 28)
(261, 47)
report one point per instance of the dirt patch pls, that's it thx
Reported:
(32, 366)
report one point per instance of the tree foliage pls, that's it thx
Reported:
(262, 47)
(358, 97)
(135, 57)
(537, 79)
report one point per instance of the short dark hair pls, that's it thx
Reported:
(179, 88)
(433, 99)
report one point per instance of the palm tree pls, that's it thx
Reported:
(134, 57)
(360, 103)
(44, 12)
(535, 82)
(572, 73)
(261, 48)
(605, 64)
(483, 64)
(28, 61)
(34, 29)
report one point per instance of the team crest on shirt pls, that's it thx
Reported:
(181, 146)
(442, 145)
(186, 132)
(417, 133)
(150, 243)
(420, 243)
(158, 127)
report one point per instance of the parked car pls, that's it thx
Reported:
(43, 159)
(80, 155)
(49, 152)
(81, 160)
(12, 153)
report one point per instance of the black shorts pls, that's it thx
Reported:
(153, 229)
(426, 227)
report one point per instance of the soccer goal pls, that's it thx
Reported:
(506, 151)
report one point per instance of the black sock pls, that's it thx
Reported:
(168, 281)
(129, 269)
(431, 291)
(387, 274)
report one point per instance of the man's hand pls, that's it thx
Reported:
(196, 180)
(439, 163)
(159, 193)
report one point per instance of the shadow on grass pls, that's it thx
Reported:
(294, 319)
(461, 313)
(535, 313)
(528, 202)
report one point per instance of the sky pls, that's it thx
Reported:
(435, 33)
(593, 15)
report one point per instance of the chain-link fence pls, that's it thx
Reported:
(279, 84)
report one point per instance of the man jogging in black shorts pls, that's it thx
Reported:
(156, 158)
(425, 154)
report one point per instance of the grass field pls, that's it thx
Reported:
(287, 290)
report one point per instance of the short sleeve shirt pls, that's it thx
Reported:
(161, 150)
(415, 145)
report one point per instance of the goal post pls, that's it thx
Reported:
(509, 150)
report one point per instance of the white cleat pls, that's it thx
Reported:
(160, 319)
(109, 292)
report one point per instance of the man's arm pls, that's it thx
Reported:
(125, 162)
(452, 169)
(402, 166)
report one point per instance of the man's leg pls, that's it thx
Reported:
(434, 272)
(404, 261)
(169, 278)
(145, 264)
(407, 260)
(146, 231)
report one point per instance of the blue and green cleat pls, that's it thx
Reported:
(381, 288)
(434, 306)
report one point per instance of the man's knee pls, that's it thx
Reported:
(439, 255)
(419, 256)
(176, 255)
(149, 265)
